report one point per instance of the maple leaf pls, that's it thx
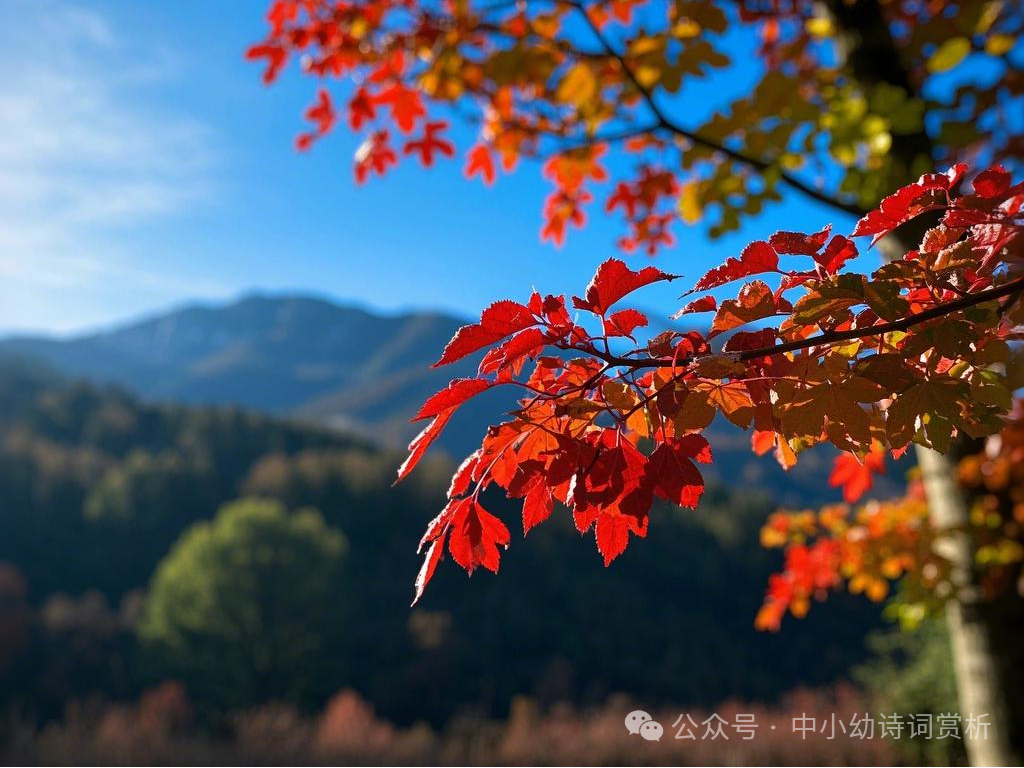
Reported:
(426, 572)
(480, 161)
(612, 281)
(361, 109)
(506, 358)
(501, 319)
(276, 56)
(612, 533)
(756, 258)
(625, 197)
(564, 207)
(463, 476)
(405, 105)
(856, 476)
(322, 115)
(839, 250)
(571, 169)
(537, 506)
(431, 143)
(733, 401)
(375, 154)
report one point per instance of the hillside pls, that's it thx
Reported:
(96, 486)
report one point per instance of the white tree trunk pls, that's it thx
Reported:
(981, 683)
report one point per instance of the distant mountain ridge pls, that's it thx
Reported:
(290, 355)
(340, 366)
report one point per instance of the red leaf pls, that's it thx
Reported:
(323, 117)
(839, 251)
(480, 161)
(464, 475)
(361, 109)
(694, 446)
(375, 154)
(275, 55)
(427, 569)
(675, 476)
(742, 340)
(624, 322)
(430, 143)
(436, 528)
(855, 477)
(499, 320)
(756, 258)
(456, 393)
(906, 203)
(992, 182)
(422, 441)
(612, 536)
(475, 537)
(612, 281)
(537, 506)
(529, 342)
(703, 304)
(406, 106)
(799, 244)
(762, 441)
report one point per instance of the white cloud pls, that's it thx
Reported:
(88, 154)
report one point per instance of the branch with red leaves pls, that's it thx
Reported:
(868, 363)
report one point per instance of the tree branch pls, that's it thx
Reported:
(664, 121)
(831, 337)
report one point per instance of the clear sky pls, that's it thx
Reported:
(143, 165)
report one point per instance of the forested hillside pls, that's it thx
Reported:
(96, 487)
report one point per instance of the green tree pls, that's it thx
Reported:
(244, 605)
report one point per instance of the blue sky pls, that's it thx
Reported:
(144, 165)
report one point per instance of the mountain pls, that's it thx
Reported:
(294, 355)
(342, 367)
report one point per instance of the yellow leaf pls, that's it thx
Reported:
(949, 54)
(689, 203)
(819, 27)
(998, 45)
(686, 28)
(578, 86)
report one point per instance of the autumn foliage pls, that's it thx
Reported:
(868, 549)
(868, 363)
(572, 83)
(804, 352)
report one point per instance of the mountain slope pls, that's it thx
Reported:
(288, 355)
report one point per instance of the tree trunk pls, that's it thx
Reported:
(987, 636)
